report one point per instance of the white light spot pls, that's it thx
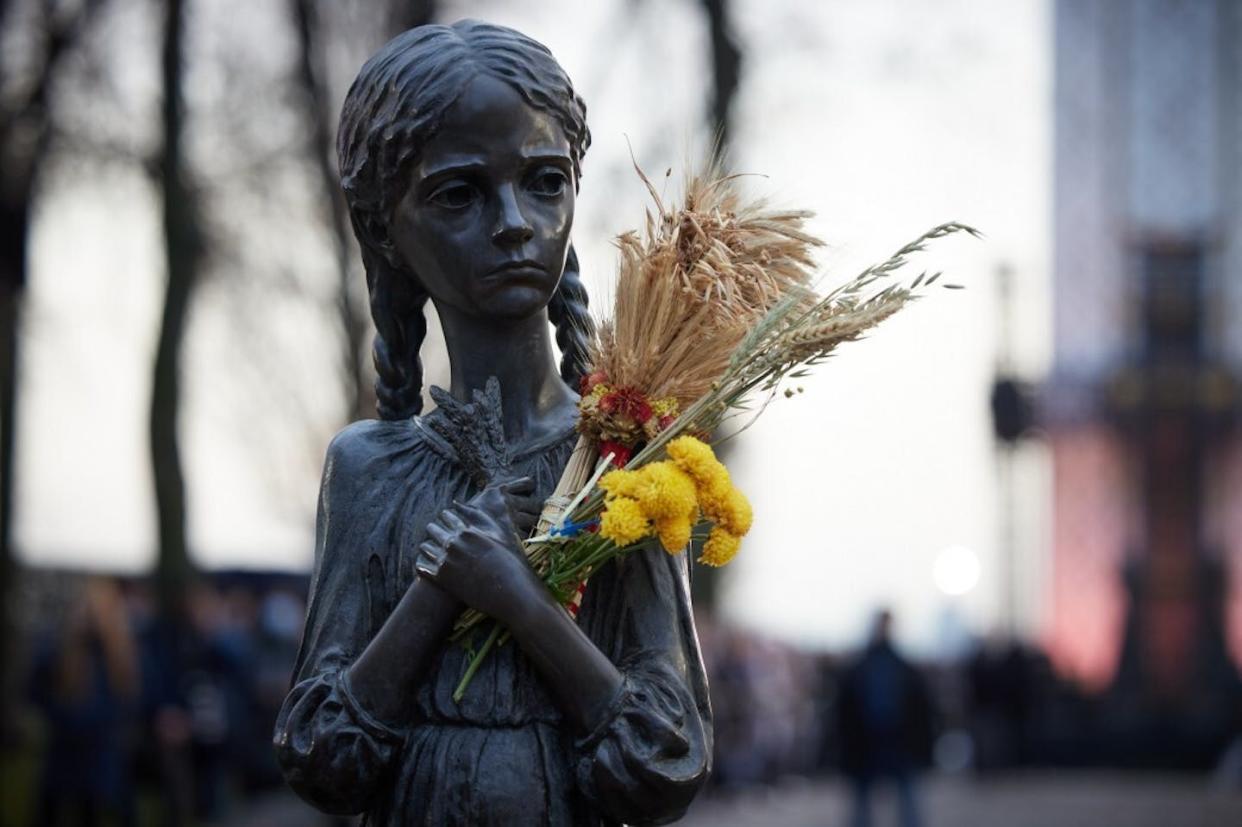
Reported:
(956, 570)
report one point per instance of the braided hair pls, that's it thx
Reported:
(394, 107)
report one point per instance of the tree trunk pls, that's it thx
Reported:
(321, 115)
(726, 68)
(182, 253)
(25, 131)
(406, 14)
(312, 76)
(10, 319)
(726, 61)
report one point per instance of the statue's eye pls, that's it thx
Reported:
(549, 181)
(454, 195)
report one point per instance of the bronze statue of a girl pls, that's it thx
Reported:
(460, 149)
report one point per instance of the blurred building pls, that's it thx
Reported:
(1142, 407)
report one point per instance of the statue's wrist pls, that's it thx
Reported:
(533, 608)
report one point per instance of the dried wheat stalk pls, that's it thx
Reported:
(695, 283)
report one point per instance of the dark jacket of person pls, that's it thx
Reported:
(884, 714)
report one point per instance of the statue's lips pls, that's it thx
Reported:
(518, 270)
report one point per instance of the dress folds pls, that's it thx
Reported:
(503, 756)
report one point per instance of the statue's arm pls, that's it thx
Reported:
(650, 755)
(584, 681)
(474, 554)
(345, 717)
(641, 704)
(395, 662)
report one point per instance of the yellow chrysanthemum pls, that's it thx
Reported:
(664, 490)
(720, 548)
(721, 503)
(674, 532)
(624, 522)
(666, 499)
(621, 484)
(728, 508)
(713, 503)
(695, 457)
(710, 475)
(739, 516)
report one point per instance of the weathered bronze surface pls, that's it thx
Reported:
(460, 150)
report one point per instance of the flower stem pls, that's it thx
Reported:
(475, 662)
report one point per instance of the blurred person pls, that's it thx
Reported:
(827, 683)
(197, 688)
(1001, 699)
(763, 707)
(734, 667)
(782, 709)
(85, 680)
(884, 722)
(278, 632)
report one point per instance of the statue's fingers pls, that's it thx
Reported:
(452, 519)
(439, 533)
(484, 520)
(522, 486)
(430, 558)
(432, 551)
(470, 514)
(526, 505)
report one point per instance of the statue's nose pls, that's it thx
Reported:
(511, 224)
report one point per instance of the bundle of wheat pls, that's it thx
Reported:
(713, 305)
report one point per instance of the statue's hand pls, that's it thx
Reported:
(474, 550)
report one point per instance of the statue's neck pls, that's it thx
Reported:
(520, 355)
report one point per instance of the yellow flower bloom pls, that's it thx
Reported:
(621, 484)
(664, 490)
(713, 504)
(726, 505)
(735, 514)
(720, 548)
(667, 498)
(720, 501)
(624, 522)
(695, 457)
(674, 532)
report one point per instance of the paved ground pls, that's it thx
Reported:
(1034, 800)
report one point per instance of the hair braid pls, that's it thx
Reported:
(400, 327)
(574, 325)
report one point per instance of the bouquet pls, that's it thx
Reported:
(714, 312)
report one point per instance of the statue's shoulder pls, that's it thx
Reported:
(357, 439)
(363, 448)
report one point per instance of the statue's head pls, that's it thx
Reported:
(460, 150)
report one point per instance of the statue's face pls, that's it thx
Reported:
(485, 222)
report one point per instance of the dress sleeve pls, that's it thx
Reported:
(333, 752)
(647, 760)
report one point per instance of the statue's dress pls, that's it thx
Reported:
(503, 756)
